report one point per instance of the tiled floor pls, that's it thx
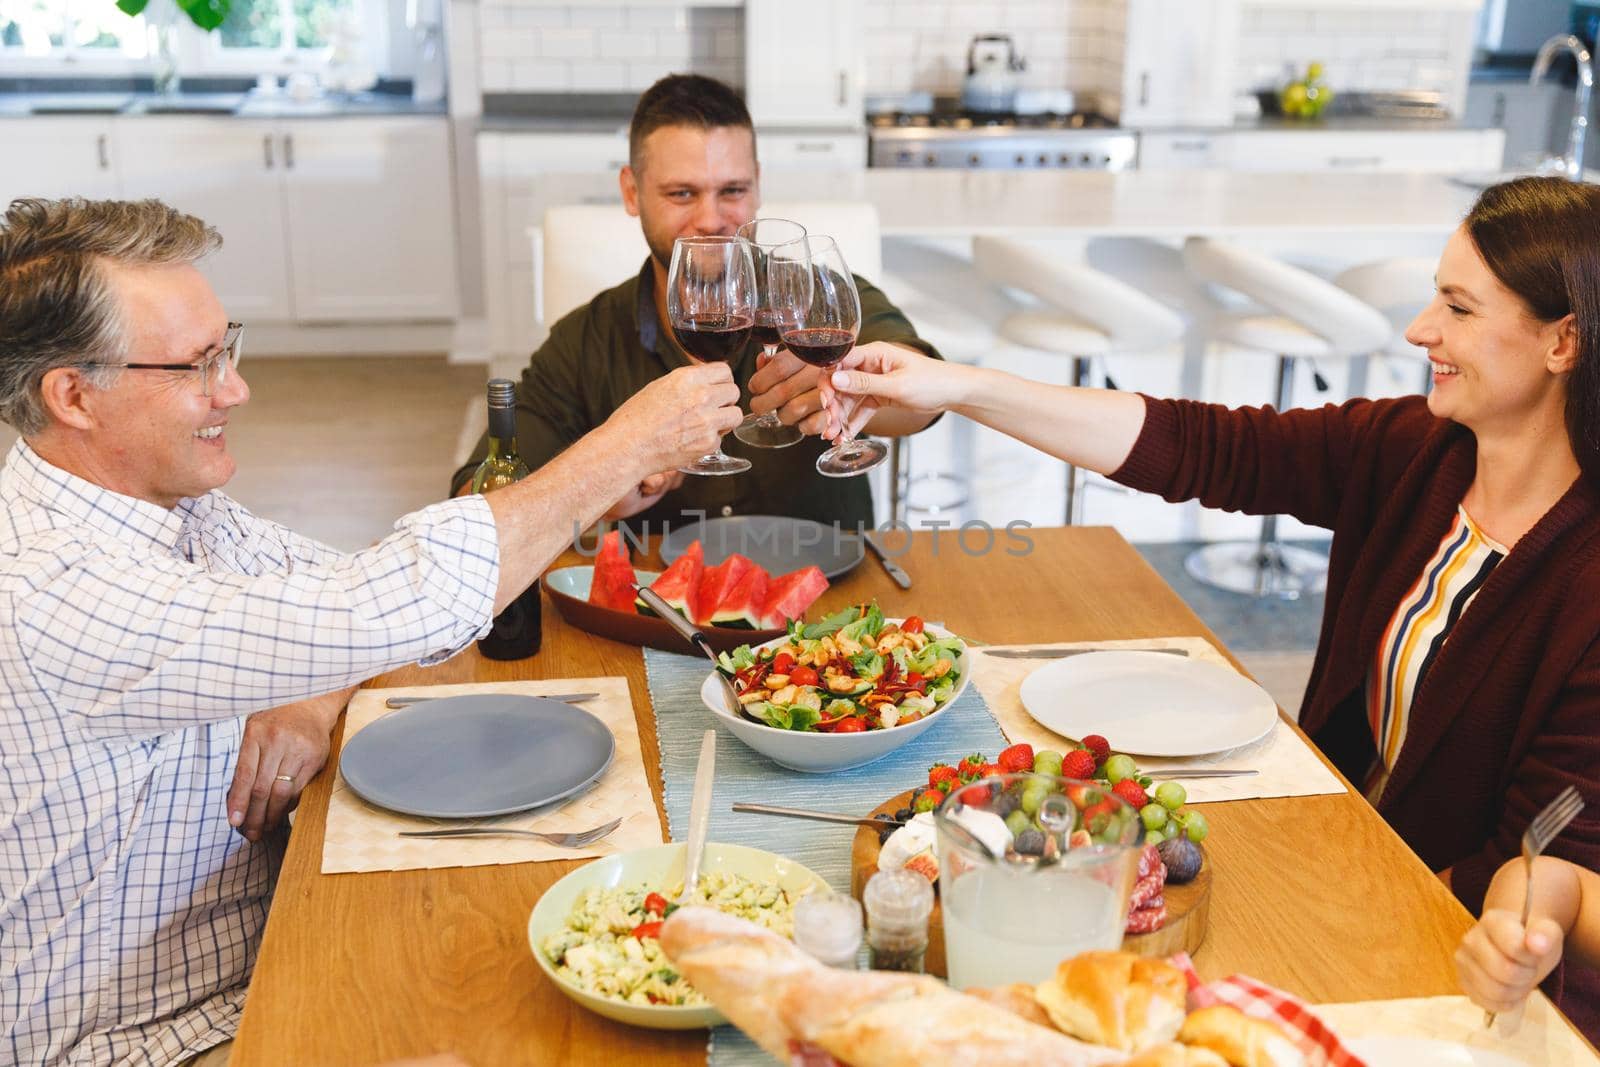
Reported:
(340, 447)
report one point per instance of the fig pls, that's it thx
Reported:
(1182, 858)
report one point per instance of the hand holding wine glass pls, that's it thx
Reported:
(711, 303)
(885, 375)
(677, 417)
(765, 235)
(809, 278)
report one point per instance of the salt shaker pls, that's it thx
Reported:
(828, 926)
(898, 906)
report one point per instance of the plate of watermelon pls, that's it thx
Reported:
(735, 602)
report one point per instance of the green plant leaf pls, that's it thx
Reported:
(207, 14)
(132, 7)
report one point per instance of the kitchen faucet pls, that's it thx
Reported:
(1573, 163)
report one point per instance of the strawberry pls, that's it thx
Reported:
(990, 768)
(975, 794)
(928, 801)
(1132, 792)
(1081, 796)
(1079, 763)
(942, 776)
(1099, 746)
(1096, 817)
(969, 765)
(1016, 758)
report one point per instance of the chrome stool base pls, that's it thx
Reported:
(1284, 572)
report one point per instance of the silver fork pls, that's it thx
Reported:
(1535, 839)
(577, 840)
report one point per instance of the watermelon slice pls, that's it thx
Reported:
(613, 582)
(717, 585)
(741, 608)
(789, 595)
(679, 584)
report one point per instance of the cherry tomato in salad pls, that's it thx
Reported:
(850, 725)
(912, 625)
(782, 663)
(803, 676)
(655, 904)
(644, 930)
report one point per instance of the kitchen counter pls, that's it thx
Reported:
(1349, 124)
(1170, 204)
(249, 105)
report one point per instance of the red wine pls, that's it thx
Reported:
(819, 347)
(714, 337)
(768, 326)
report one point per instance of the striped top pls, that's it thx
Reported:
(1416, 633)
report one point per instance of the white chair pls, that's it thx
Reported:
(1399, 287)
(1301, 316)
(1079, 312)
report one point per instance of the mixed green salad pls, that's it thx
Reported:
(851, 672)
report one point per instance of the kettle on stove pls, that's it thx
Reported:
(993, 67)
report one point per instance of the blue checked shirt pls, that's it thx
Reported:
(134, 640)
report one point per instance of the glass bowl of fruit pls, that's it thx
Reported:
(1033, 868)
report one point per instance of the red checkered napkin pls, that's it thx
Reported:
(1321, 1045)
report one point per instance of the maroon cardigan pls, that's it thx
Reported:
(1509, 713)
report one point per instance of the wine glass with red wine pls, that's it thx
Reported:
(810, 280)
(711, 303)
(764, 235)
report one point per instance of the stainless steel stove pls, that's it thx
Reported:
(968, 141)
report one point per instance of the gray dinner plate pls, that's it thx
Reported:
(777, 543)
(473, 756)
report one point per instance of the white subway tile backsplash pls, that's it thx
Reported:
(539, 17)
(566, 44)
(643, 74)
(599, 76)
(494, 76)
(657, 18)
(627, 44)
(729, 44)
(541, 75)
(598, 17)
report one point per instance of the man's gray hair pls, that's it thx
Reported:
(57, 306)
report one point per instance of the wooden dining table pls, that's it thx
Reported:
(1314, 895)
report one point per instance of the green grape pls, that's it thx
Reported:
(1171, 795)
(1033, 795)
(1047, 761)
(1119, 767)
(1154, 816)
(1017, 821)
(1196, 827)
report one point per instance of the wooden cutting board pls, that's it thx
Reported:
(1188, 906)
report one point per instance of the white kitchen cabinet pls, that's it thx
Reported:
(1178, 63)
(56, 157)
(803, 62)
(323, 221)
(229, 173)
(371, 231)
(803, 150)
(1439, 151)
(1181, 149)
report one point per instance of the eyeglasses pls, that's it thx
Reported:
(213, 368)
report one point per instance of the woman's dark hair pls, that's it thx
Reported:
(684, 100)
(1541, 238)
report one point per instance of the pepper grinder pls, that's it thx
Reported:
(898, 906)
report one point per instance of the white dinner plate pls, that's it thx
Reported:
(1422, 1052)
(1148, 703)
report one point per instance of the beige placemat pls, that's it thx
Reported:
(361, 837)
(1543, 1040)
(1287, 766)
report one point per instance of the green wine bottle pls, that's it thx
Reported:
(502, 465)
(517, 629)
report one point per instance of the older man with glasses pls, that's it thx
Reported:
(171, 664)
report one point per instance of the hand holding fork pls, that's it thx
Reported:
(1535, 839)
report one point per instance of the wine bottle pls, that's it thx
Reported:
(517, 629)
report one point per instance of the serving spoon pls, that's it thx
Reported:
(691, 633)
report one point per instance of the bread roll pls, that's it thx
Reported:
(1116, 999)
(1172, 1054)
(1018, 999)
(879, 1019)
(740, 968)
(1239, 1039)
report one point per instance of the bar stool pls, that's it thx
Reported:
(1399, 287)
(1080, 313)
(1302, 317)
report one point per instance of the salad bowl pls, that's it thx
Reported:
(661, 866)
(819, 753)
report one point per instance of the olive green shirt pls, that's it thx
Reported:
(601, 354)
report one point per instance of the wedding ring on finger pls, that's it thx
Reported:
(286, 778)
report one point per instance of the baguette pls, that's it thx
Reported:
(1239, 1039)
(1116, 999)
(1018, 999)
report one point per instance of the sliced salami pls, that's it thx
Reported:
(1147, 889)
(1146, 920)
(1149, 861)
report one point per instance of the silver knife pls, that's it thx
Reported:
(565, 698)
(1202, 772)
(1063, 653)
(817, 816)
(893, 569)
